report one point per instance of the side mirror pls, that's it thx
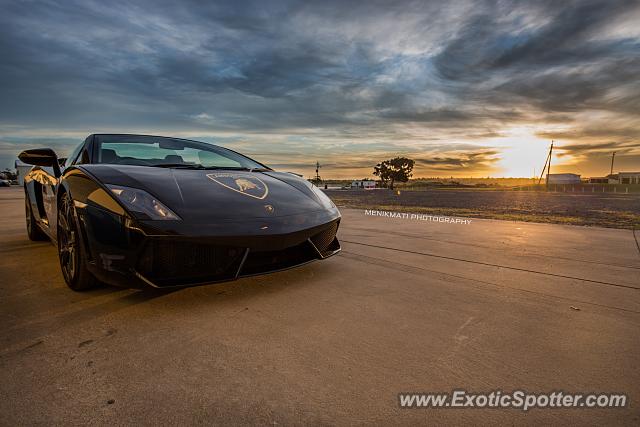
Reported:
(41, 157)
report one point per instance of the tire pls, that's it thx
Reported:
(71, 251)
(33, 231)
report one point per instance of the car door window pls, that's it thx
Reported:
(73, 156)
(83, 158)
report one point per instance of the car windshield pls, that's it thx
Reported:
(169, 152)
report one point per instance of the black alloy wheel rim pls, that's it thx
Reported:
(67, 242)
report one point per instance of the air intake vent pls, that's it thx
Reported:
(266, 261)
(169, 263)
(324, 241)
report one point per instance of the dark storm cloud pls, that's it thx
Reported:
(561, 65)
(335, 71)
(460, 161)
(627, 134)
(597, 149)
(483, 45)
(566, 38)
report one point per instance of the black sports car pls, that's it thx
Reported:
(138, 210)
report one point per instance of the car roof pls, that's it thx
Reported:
(152, 136)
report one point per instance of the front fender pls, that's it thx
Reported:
(99, 218)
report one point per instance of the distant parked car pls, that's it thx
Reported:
(5, 183)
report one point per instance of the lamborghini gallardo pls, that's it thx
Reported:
(148, 211)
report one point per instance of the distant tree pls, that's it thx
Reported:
(382, 171)
(394, 170)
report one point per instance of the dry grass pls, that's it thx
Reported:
(622, 211)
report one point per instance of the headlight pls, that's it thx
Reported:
(141, 202)
(324, 199)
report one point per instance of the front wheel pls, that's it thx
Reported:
(73, 258)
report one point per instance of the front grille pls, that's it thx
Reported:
(323, 240)
(265, 261)
(177, 262)
(168, 263)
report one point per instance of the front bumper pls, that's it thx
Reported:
(139, 254)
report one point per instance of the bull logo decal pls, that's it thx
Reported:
(244, 184)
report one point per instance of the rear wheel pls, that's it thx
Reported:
(33, 231)
(73, 259)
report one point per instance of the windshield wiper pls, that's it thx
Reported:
(179, 165)
(199, 166)
(237, 168)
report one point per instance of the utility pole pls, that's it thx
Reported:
(543, 169)
(317, 178)
(549, 167)
(613, 156)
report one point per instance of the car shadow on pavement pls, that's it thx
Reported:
(77, 308)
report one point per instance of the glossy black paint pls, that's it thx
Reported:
(212, 216)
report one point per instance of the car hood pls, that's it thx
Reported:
(206, 196)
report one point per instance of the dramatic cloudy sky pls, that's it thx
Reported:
(466, 88)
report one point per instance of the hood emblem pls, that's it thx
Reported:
(241, 183)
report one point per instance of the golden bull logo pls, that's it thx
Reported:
(244, 184)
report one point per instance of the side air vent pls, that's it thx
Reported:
(325, 241)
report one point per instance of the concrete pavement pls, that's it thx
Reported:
(407, 306)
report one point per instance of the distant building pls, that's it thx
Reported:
(629, 177)
(21, 170)
(609, 179)
(598, 180)
(564, 178)
(364, 183)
